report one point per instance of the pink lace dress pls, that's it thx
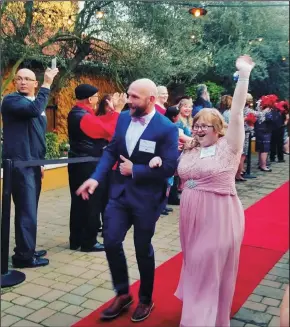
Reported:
(211, 232)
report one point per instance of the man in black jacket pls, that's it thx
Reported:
(24, 126)
(88, 136)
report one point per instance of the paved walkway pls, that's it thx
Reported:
(75, 283)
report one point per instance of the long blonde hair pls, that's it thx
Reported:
(187, 121)
(212, 116)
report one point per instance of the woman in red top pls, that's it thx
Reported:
(106, 106)
(88, 136)
(161, 100)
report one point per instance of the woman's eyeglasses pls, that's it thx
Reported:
(202, 127)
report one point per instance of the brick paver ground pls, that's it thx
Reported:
(75, 283)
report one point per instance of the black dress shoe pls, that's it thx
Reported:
(30, 263)
(168, 209)
(98, 247)
(120, 304)
(164, 212)
(74, 246)
(40, 253)
(142, 312)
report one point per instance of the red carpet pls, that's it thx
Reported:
(266, 240)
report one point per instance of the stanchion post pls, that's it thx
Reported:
(249, 157)
(8, 277)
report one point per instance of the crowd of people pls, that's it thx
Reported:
(149, 154)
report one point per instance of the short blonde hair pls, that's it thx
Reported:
(214, 117)
(249, 99)
(211, 116)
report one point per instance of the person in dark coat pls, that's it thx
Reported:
(24, 127)
(88, 136)
(202, 99)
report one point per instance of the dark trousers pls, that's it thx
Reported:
(276, 147)
(26, 186)
(120, 215)
(105, 200)
(173, 194)
(84, 214)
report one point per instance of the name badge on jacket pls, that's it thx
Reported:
(147, 146)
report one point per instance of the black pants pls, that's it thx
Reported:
(120, 215)
(26, 186)
(105, 200)
(277, 141)
(173, 195)
(84, 214)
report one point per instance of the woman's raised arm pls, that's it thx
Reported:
(236, 132)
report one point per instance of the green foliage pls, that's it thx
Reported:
(64, 148)
(140, 39)
(52, 146)
(214, 90)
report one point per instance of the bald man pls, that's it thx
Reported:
(137, 193)
(24, 126)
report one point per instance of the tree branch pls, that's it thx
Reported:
(59, 37)
(12, 74)
(28, 7)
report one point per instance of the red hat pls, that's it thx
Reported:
(268, 101)
(282, 106)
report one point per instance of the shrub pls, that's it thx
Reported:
(52, 146)
(214, 90)
(64, 148)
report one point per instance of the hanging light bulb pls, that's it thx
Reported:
(260, 39)
(283, 58)
(99, 13)
(192, 37)
(70, 22)
(197, 11)
(49, 19)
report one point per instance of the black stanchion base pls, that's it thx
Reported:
(13, 277)
(249, 176)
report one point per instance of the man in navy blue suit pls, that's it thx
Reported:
(137, 194)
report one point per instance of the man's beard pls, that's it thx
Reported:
(137, 111)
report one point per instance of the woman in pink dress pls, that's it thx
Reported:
(211, 214)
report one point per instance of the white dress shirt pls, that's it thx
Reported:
(135, 130)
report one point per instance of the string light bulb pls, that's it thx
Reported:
(260, 39)
(197, 11)
(99, 13)
(70, 22)
(49, 19)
